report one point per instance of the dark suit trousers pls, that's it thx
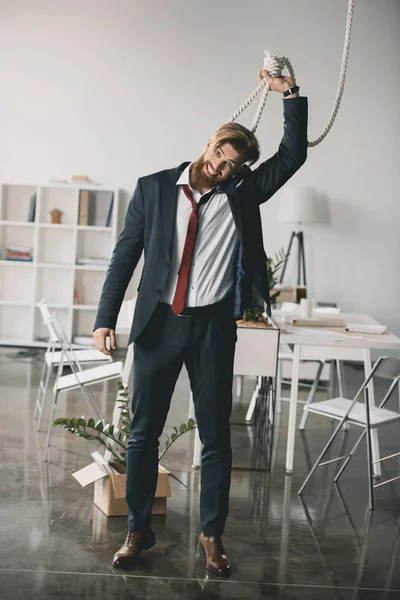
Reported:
(205, 343)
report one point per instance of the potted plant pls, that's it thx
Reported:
(56, 215)
(112, 438)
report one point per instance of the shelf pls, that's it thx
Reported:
(54, 273)
(93, 228)
(55, 265)
(15, 303)
(85, 306)
(56, 226)
(91, 267)
(56, 305)
(16, 263)
(82, 185)
(17, 223)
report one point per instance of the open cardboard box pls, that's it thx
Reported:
(110, 487)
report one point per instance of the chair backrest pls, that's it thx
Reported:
(47, 319)
(388, 367)
(68, 355)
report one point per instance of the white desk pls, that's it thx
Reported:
(333, 343)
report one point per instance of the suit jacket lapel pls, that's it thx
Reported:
(169, 198)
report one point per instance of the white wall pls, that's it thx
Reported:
(121, 88)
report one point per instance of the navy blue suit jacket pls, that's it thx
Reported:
(150, 220)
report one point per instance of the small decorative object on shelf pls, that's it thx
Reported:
(80, 179)
(56, 215)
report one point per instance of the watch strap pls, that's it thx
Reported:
(290, 91)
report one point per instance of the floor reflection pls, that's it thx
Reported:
(56, 543)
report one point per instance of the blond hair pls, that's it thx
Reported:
(241, 139)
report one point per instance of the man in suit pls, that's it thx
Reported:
(199, 226)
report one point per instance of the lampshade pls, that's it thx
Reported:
(299, 205)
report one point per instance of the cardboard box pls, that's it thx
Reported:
(287, 294)
(110, 487)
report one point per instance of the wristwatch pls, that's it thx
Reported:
(291, 91)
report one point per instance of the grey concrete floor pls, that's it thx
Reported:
(54, 543)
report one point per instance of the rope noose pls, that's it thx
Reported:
(275, 65)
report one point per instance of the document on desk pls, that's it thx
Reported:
(317, 321)
(314, 332)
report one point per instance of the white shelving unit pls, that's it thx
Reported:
(72, 289)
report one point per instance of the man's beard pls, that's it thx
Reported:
(200, 179)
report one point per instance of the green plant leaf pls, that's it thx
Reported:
(182, 427)
(173, 436)
(81, 422)
(191, 423)
(91, 423)
(99, 426)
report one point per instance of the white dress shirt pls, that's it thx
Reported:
(212, 273)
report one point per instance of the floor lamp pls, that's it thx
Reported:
(298, 205)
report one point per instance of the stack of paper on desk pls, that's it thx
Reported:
(317, 321)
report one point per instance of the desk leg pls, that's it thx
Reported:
(374, 433)
(293, 409)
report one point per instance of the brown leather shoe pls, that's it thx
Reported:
(135, 542)
(216, 560)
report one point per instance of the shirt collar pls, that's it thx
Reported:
(184, 178)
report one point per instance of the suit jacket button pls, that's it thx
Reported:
(158, 292)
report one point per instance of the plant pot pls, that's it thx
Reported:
(56, 216)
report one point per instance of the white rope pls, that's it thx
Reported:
(275, 65)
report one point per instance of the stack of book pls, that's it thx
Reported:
(100, 262)
(21, 253)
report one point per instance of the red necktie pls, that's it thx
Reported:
(178, 303)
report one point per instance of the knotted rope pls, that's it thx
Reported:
(275, 65)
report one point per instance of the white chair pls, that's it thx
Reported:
(363, 414)
(52, 359)
(78, 379)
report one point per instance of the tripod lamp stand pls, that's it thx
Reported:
(298, 205)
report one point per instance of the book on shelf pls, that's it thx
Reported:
(84, 197)
(95, 208)
(32, 208)
(110, 211)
